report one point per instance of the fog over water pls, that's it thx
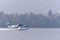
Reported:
(32, 34)
(50, 29)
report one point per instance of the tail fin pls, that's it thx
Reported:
(8, 24)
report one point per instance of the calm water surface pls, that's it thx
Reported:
(32, 34)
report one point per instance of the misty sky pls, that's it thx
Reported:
(22, 6)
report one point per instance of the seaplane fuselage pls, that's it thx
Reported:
(16, 27)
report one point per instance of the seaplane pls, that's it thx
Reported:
(15, 27)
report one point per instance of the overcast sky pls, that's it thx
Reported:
(22, 6)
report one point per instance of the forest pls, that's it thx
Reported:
(33, 20)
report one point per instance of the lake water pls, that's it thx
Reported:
(32, 34)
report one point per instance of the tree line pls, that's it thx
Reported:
(31, 19)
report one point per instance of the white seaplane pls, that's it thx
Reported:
(15, 27)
